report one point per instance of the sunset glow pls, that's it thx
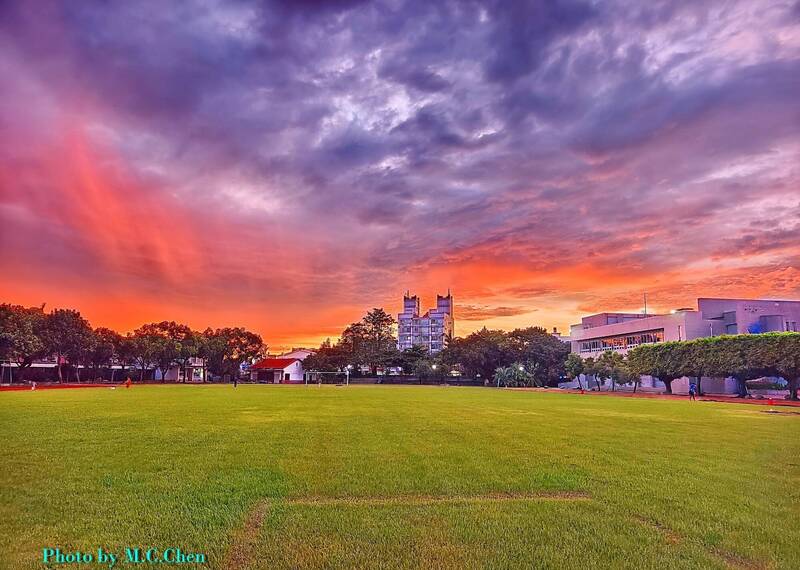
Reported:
(287, 166)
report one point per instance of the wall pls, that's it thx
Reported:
(295, 371)
(749, 311)
(708, 385)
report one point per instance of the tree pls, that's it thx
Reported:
(478, 354)
(627, 375)
(21, 336)
(574, 367)
(379, 342)
(590, 368)
(697, 362)
(170, 344)
(514, 375)
(735, 356)
(411, 358)
(610, 366)
(141, 349)
(104, 348)
(189, 346)
(786, 348)
(226, 349)
(369, 342)
(123, 349)
(424, 369)
(80, 353)
(328, 358)
(68, 336)
(540, 352)
(665, 361)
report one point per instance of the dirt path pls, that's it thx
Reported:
(436, 499)
(245, 538)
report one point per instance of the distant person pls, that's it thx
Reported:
(693, 391)
(235, 381)
(128, 382)
(33, 385)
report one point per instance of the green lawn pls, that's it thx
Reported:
(412, 477)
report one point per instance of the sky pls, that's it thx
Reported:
(286, 166)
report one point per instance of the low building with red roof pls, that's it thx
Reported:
(277, 370)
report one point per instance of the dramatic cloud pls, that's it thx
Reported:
(483, 313)
(288, 165)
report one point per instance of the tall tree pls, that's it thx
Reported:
(226, 349)
(68, 336)
(142, 350)
(328, 358)
(378, 334)
(574, 366)
(104, 348)
(21, 336)
(542, 354)
(124, 351)
(479, 353)
(171, 344)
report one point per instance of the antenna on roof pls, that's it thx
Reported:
(645, 303)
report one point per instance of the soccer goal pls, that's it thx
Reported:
(315, 377)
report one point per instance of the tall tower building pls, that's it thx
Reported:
(433, 330)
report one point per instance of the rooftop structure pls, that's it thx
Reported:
(622, 331)
(433, 330)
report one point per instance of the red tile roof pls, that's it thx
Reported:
(275, 363)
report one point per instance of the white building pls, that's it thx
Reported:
(433, 330)
(300, 353)
(621, 332)
(277, 371)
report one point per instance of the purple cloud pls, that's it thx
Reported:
(378, 143)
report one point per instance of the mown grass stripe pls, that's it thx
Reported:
(434, 499)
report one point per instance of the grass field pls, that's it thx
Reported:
(413, 477)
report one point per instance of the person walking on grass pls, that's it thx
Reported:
(235, 381)
(693, 391)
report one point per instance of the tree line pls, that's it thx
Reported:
(29, 334)
(533, 357)
(522, 357)
(741, 357)
(371, 343)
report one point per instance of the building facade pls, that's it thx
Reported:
(621, 332)
(277, 371)
(432, 330)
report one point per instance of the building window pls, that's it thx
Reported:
(622, 342)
